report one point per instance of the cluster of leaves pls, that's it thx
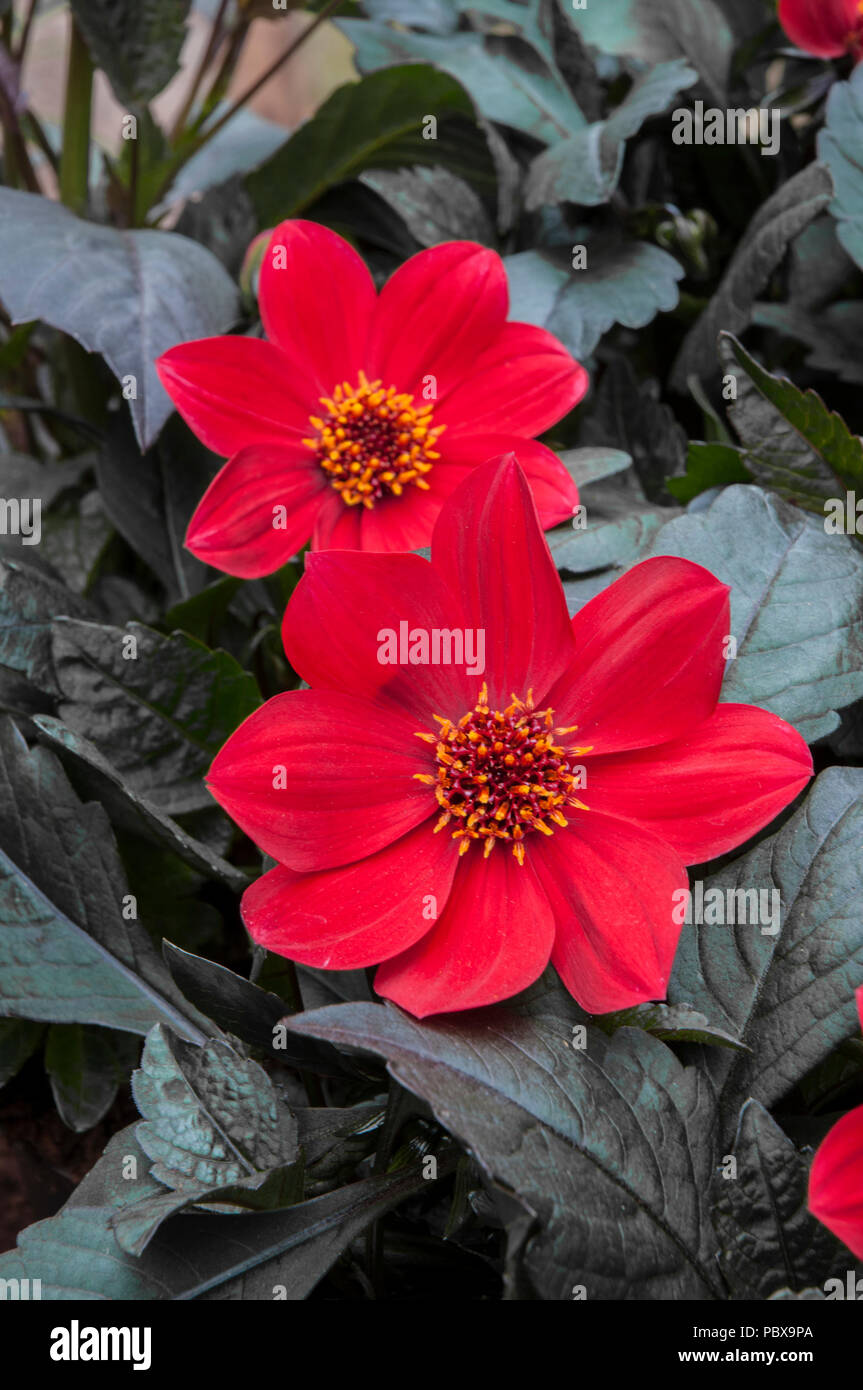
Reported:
(311, 1137)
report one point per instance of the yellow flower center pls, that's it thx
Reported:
(501, 774)
(374, 442)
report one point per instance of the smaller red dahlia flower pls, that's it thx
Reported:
(461, 830)
(360, 413)
(825, 28)
(836, 1177)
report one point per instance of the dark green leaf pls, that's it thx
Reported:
(215, 1131)
(769, 1241)
(29, 602)
(626, 282)
(68, 954)
(526, 97)
(434, 204)
(378, 123)
(585, 168)
(129, 295)
(74, 539)
(839, 148)
(609, 1145)
(792, 442)
(832, 335)
(160, 716)
(137, 43)
(150, 498)
(791, 209)
(94, 778)
(629, 413)
(789, 995)
(802, 660)
(670, 1023)
(19, 1038)
(249, 1013)
(86, 1067)
(658, 29)
(256, 1256)
(707, 466)
(619, 525)
(211, 1118)
(591, 465)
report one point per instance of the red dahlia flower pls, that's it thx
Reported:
(827, 28)
(361, 413)
(439, 823)
(836, 1177)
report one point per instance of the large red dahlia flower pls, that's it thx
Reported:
(464, 829)
(836, 1176)
(361, 412)
(825, 28)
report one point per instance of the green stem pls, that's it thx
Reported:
(33, 129)
(207, 57)
(25, 32)
(196, 139)
(16, 158)
(224, 72)
(134, 170)
(75, 159)
(324, 14)
(312, 1084)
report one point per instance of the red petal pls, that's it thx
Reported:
(436, 314)
(338, 527)
(489, 545)
(407, 522)
(233, 525)
(610, 886)
(317, 302)
(554, 492)
(836, 1181)
(401, 523)
(649, 657)
(339, 608)
(237, 391)
(709, 791)
(348, 765)
(523, 383)
(358, 915)
(492, 940)
(821, 27)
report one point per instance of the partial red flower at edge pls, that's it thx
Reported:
(361, 413)
(836, 1176)
(346, 783)
(825, 28)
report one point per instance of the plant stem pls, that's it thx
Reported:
(324, 14)
(222, 77)
(75, 159)
(25, 32)
(312, 1084)
(16, 158)
(134, 167)
(198, 77)
(32, 127)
